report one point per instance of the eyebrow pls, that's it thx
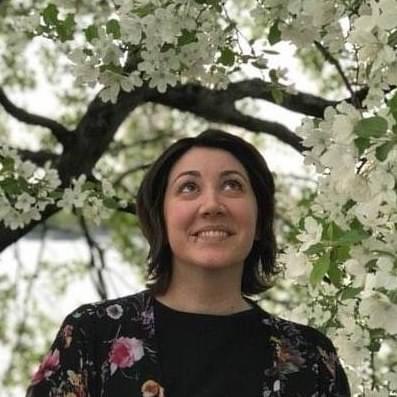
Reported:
(197, 174)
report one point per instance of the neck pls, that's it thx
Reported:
(205, 293)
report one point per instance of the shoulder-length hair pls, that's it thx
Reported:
(259, 265)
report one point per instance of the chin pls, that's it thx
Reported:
(215, 263)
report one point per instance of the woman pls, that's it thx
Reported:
(206, 207)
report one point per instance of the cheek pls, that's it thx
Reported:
(175, 216)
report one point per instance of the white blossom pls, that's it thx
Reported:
(357, 270)
(74, 196)
(321, 11)
(380, 311)
(131, 28)
(384, 16)
(95, 210)
(161, 79)
(24, 202)
(311, 234)
(384, 277)
(297, 265)
(352, 346)
(107, 49)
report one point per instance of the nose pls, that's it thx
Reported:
(211, 204)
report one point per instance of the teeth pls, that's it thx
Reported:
(213, 234)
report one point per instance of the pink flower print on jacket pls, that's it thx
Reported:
(47, 367)
(67, 335)
(125, 352)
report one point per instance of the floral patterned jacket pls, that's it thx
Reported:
(108, 349)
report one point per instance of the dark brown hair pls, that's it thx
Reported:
(260, 262)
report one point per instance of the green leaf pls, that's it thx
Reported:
(277, 95)
(273, 75)
(11, 186)
(371, 127)
(113, 27)
(333, 231)
(334, 273)
(65, 29)
(315, 249)
(112, 68)
(383, 150)
(320, 269)
(145, 10)
(342, 253)
(392, 296)
(274, 33)
(353, 236)
(227, 57)
(8, 164)
(89, 185)
(50, 15)
(110, 203)
(393, 105)
(350, 292)
(187, 37)
(91, 33)
(56, 195)
(392, 40)
(362, 144)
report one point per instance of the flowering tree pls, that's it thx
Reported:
(196, 56)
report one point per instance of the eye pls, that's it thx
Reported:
(233, 184)
(187, 187)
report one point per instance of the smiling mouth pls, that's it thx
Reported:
(212, 235)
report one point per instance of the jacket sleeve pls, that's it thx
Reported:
(333, 379)
(68, 366)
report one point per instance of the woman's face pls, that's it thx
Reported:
(210, 210)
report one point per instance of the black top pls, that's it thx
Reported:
(210, 355)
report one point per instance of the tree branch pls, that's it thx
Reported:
(218, 106)
(8, 237)
(96, 254)
(333, 61)
(299, 102)
(62, 134)
(39, 158)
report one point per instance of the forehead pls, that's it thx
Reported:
(204, 159)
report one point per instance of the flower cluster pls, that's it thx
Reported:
(158, 42)
(348, 233)
(27, 190)
(346, 30)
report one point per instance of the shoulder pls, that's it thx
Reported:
(300, 335)
(111, 313)
(303, 352)
(114, 308)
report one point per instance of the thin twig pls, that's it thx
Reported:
(130, 171)
(333, 61)
(96, 251)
